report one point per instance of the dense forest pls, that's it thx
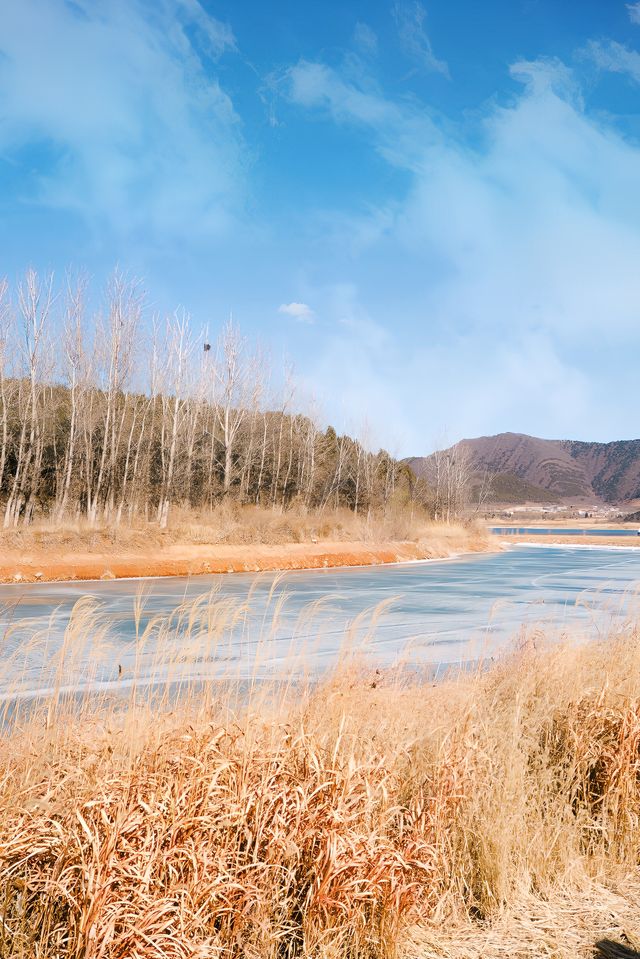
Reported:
(111, 414)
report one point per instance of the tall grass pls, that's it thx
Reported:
(371, 815)
(230, 523)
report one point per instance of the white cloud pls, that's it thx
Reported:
(219, 36)
(518, 262)
(365, 39)
(401, 130)
(548, 75)
(410, 18)
(634, 12)
(360, 375)
(316, 85)
(119, 106)
(299, 311)
(614, 57)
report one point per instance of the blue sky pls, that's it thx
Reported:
(432, 209)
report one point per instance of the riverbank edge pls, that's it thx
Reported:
(577, 542)
(35, 567)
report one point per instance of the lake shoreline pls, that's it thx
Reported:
(46, 564)
(50, 563)
(606, 542)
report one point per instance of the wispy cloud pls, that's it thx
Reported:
(313, 84)
(365, 39)
(410, 18)
(219, 36)
(299, 311)
(122, 114)
(401, 128)
(519, 247)
(614, 57)
(634, 12)
(548, 75)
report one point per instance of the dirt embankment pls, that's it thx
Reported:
(49, 561)
(560, 540)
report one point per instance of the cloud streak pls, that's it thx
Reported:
(401, 131)
(125, 122)
(365, 39)
(614, 57)
(410, 20)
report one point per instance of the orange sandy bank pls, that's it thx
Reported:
(52, 564)
(560, 540)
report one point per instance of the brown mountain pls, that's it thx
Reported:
(526, 468)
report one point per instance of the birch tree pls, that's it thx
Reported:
(117, 340)
(179, 348)
(235, 393)
(76, 376)
(35, 300)
(118, 421)
(7, 386)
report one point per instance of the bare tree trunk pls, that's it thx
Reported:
(6, 393)
(179, 350)
(290, 462)
(263, 454)
(35, 302)
(118, 342)
(73, 338)
(235, 378)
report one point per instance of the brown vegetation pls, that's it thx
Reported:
(492, 814)
(558, 539)
(230, 538)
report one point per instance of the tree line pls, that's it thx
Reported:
(108, 414)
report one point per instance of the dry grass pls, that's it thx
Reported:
(232, 524)
(492, 814)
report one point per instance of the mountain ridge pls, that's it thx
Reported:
(540, 470)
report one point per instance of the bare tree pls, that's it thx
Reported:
(35, 300)
(235, 391)
(76, 373)
(453, 475)
(97, 427)
(179, 346)
(483, 491)
(288, 389)
(117, 340)
(7, 386)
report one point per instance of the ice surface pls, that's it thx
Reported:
(446, 612)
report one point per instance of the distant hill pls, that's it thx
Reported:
(529, 469)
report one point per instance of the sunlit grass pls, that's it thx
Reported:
(372, 813)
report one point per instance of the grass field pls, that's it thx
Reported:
(230, 538)
(376, 815)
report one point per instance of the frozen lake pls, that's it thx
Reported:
(445, 612)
